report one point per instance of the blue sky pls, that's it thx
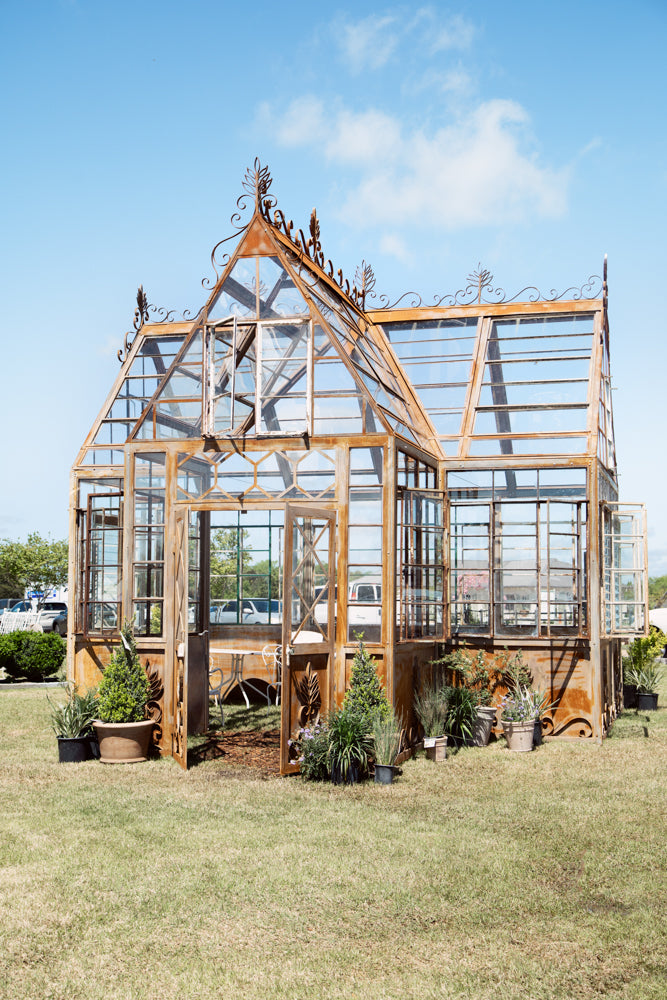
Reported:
(528, 137)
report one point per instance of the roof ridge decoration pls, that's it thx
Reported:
(479, 290)
(256, 186)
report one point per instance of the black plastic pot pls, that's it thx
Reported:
(647, 702)
(629, 696)
(351, 777)
(384, 774)
(74, 749)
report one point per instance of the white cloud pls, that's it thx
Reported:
(371, 42)
(393, 246)
(477, 170)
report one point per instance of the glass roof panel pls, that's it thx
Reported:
(278, 294)
(238, 295)
(152, 360)
(528, 446)
(535, 381)
(538, 421)
(437, 358)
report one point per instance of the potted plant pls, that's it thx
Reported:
(431, 707)
(123, 731)
(518, 716)
(462, 714)
(387, 735)
(542, 707)
(72, 723)
(350, 746)
(642, 673)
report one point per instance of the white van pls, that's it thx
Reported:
(364, 601)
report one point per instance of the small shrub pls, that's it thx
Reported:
(33, 655)
(124, 688)
(366, 695)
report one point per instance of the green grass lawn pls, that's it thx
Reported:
(492, 875)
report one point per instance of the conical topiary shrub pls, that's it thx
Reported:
(124, 689)
(366, 694)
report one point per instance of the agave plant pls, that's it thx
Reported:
(75, 716)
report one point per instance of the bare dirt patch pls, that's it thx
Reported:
(251, 754)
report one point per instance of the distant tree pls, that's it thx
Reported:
(10, 585)
(224, 555)
(657, 591)
(38, 564)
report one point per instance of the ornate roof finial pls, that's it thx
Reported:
(364, 283)
(140, 317)
(257, 182)
(482, 278)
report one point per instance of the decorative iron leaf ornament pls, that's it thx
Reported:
(154, 703)
(257, 182)
(308, 692)
(141, 312)
(314, 245)
(482, 278)
(140, 317)
(364, 283)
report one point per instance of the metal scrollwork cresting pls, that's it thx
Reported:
(479, 290)
(308, 692)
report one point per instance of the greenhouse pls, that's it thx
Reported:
(302, 462)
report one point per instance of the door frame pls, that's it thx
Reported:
(297, 656)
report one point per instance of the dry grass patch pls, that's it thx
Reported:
(538, 875)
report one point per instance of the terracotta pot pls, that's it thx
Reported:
(519, 735)
(124, 742)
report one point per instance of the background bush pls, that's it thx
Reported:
(33, 655)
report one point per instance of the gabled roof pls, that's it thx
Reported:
(271, 278)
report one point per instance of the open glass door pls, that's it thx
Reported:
(308, 622)
(179, 645)
(625, 569)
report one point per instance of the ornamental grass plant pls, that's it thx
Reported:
(387, 736)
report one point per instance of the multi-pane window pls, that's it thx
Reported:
(102, 571)
(102, 488)
(518, 552)
(149, 522)
(420, 564)
(246, 567)
(419, 547)
(365, 555)
(625, 572)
